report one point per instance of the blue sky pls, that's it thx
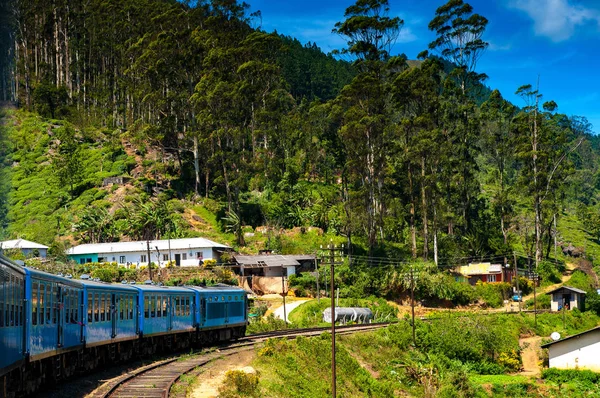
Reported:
(559, 40)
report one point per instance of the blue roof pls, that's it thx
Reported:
(160, 289)
(36, 273)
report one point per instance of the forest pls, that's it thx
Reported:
(195, 102)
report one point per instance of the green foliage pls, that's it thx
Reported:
(493, 294)
(238, 383)
(262, 325)
(549, 272)
(584, 379)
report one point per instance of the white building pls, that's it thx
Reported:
(182, 252)
(580, 351)
(29, 249)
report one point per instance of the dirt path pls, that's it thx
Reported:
(530, 348)
(563, 279)
(209, 381)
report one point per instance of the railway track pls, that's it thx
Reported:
(156, 380)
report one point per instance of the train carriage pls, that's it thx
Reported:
(12, 317)
(111, 313)
(165, 310)
(222, 313)
(53, 314)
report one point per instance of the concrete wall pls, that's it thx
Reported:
(581, 352)
(557, 301)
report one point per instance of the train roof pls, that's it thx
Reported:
(5, 262)
(161, 289)
(217, 288)
(107, 286)
(37, 274)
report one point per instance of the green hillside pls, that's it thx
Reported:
(219, 128)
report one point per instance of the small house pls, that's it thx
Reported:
(580, 351)
(274, 265)
(28, 248)
(484, 272)
(567, 296)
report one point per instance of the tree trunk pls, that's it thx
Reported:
(424, 204)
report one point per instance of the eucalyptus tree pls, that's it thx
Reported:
(416, 93)
(545, 147)
(499, 143)
(370, 33)
(459, 41)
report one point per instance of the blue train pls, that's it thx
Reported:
(52, 327)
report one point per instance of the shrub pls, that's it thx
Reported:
(561, 376)
(238, 382)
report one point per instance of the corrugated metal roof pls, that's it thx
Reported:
(271, 260)
(21, 244)
(573, 289)
(140, 246)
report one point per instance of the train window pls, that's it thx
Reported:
(165, 305)
(159, 306)
(122, 303)
(1, 300)
(177, 304)
(130, 307)
(153, 306)
(109, 307)
(146, 308)
(10, 304)
(210, 299)
(56, 300)
(76, 307)
(222, 298)
(229, 298)
(90, 306)
(49, 303)
(2, 290)
(102, 307)
(96, 307)
(187, 306)
(42, 300)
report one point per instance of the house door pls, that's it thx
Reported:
(178, 260)
(566, 301)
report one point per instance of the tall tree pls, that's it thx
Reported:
(370, 33)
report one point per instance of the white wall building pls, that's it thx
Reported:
(580, 351)
(182, 252)
(29, 249)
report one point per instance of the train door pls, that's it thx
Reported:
(114, 304)
(59, 314)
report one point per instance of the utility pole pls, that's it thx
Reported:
(318, 288)
(533, 276)
(517, 278)
(149, 262)
(332, 262)
(283, 294)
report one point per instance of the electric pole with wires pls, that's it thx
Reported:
(335, 258)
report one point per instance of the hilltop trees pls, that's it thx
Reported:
(388, 152)
(365, 127)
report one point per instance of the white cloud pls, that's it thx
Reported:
(406, 35)
(556, 19)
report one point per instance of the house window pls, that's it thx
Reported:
(491, 278)
(184, 256)
(165, 257)
(143, 258)
(199, 255)
(122, 259)
(82, 261)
